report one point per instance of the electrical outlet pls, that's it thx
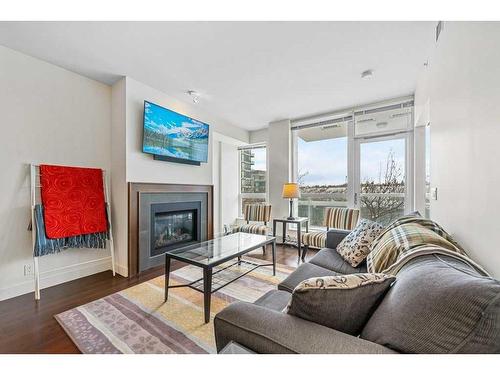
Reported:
(28, 270)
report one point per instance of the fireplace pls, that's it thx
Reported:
(173, 225)
(164, 217)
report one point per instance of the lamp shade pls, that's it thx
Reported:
(291, 190)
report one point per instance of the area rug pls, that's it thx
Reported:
(136, 320)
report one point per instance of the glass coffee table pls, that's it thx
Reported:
(212, 253)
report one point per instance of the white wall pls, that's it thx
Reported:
(462, 88)
(226, 179)
(258, 136)
(119, 192)
(140, 167)
(47, 115)
(229, 183)
(51, 115)
(279, 164)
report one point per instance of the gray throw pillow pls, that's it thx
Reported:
(343, 302)
(355, 247)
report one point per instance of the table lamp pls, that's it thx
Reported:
(291, 191)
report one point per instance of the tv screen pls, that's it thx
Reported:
(168, 133)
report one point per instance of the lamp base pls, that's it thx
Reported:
(290, 215)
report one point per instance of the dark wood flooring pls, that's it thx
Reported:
(27, 326)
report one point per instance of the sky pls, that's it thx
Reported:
(325, 161)
(259, 159)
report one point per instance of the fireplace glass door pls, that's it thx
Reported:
(173, 225)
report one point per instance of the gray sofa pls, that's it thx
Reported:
(438, 304)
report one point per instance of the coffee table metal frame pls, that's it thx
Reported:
(208, 271)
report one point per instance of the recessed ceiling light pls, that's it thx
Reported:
(367, 73)
(195, 96)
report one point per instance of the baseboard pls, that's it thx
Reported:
(121, 270)
(59, 276)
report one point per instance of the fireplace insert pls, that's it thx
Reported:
(174, 225)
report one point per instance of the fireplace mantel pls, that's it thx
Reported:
(135, 190)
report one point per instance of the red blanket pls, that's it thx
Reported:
(73, 200)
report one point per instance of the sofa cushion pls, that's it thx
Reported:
(303, 272)
(330, 259)
(274, 299)
(355, 247)
(268, 331)
(438, 305)
(343, 302)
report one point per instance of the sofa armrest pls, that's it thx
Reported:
(335, 236)
(268, 331)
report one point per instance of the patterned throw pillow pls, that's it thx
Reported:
(343, 302)
(355, 247)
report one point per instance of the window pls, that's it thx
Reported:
(321, 170)
(253, 175)
(382, 182)
(358, 158)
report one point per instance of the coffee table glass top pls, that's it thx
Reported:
(220, 249)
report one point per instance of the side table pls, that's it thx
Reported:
(297, 220)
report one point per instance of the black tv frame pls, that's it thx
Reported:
(174, 160)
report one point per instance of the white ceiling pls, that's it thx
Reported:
(249, 73)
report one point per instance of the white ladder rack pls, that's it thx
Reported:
(35, 186)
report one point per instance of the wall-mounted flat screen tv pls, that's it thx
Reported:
(172, 135)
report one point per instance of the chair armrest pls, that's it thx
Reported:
(268, 331)
(335, 236)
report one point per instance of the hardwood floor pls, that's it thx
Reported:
(27, 326)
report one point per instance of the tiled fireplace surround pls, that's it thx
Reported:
(144, 198)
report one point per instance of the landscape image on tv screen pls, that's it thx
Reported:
(169, 133)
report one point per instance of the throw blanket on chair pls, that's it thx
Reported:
(409, 237)
(73, 200)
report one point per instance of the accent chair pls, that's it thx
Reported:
(256, 216)
(260, 213)
(340, 220)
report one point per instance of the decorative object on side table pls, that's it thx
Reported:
(298, 221)
(291, 191)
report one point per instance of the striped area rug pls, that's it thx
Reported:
(136, 320)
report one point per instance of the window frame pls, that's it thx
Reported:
(295, 169)
(241, 195)
(407, 137)
(352, 143)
